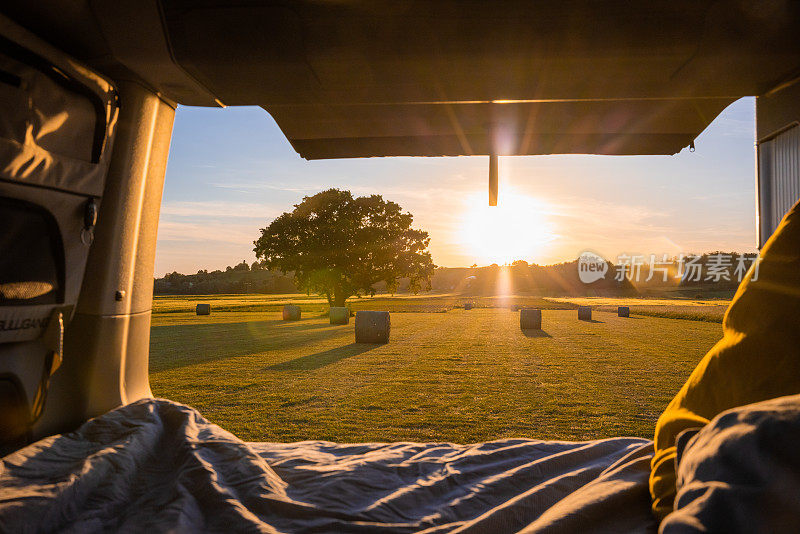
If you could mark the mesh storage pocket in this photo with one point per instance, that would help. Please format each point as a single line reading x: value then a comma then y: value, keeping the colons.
x: 32, y: 262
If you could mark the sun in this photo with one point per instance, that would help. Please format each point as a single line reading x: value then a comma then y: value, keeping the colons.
x: 516, y: 229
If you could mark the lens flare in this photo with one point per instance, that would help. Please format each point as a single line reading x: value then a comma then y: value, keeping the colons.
x: 516, y: 229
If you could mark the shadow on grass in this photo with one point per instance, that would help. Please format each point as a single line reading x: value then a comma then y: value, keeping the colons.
x: 591, y: 321
x: 321, y: 359
x: 173, y: 346
x: 535, y: 333
x: 305, y: 324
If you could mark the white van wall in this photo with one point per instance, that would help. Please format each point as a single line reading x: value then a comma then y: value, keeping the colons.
x: 107, y: 344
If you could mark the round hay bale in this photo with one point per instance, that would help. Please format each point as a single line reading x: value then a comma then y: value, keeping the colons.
x: 203, y: 309
x: 467, y: 305
x: 623, y: 311
x: 339, y: 315
x: 372, y: 326
x: 530, y: 319
x: 584, y: 313
x: 291, y: 312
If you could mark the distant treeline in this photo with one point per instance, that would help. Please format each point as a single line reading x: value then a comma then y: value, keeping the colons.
x: 519, y: 278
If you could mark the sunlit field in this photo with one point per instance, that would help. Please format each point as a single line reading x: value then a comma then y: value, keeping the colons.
x: 317, y: 305
x: 448, y: 374
x: 711, y: 310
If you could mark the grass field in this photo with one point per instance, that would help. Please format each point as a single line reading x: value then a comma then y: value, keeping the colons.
x: 424, y: 303
x: 457, y: 375
x: 711, y: 310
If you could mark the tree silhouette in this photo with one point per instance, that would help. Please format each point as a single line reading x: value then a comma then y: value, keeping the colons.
x: 338, y: 245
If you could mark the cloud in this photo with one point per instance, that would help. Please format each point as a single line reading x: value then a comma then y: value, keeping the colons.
x: 219, y: 209
x: 266, y: 186
x: 217, y: 222
x: 389, y: 193
x: 204, y: 232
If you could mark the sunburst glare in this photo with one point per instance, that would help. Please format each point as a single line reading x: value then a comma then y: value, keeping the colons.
x: 516, y: 229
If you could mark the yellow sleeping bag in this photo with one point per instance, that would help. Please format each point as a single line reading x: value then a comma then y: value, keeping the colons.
x: 757, y: 359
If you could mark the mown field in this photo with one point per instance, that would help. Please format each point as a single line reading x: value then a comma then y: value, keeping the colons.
x: 447, y: 375
x: 711, y: 310
x: 313, y: 304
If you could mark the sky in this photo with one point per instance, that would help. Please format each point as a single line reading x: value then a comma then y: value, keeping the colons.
x: 231, y: 171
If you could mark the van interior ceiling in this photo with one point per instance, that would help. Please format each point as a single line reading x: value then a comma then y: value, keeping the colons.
x: 89, y: 88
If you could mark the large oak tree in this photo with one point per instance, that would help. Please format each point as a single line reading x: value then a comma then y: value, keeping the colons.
x: 338, y: 245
